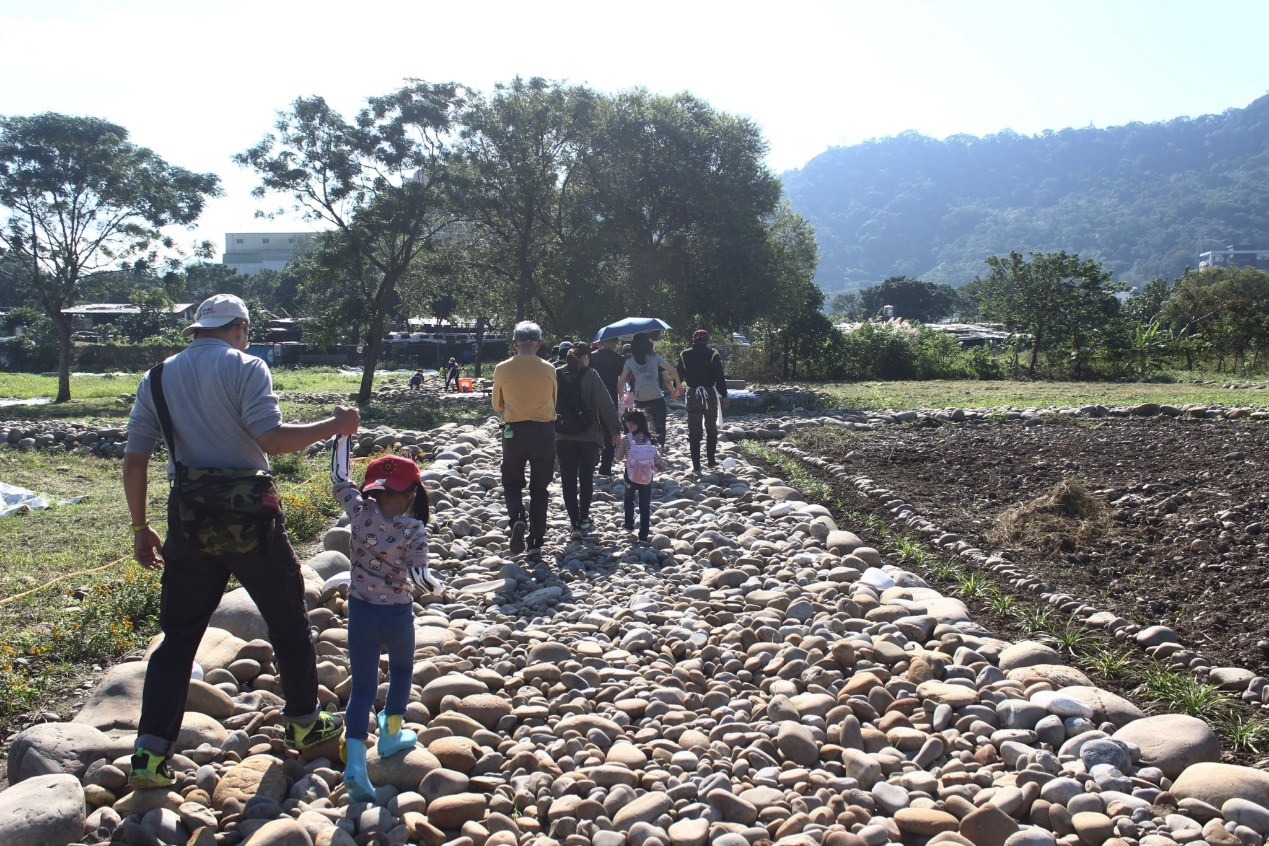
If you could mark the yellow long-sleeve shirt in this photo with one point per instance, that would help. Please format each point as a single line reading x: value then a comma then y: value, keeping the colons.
x: 524, y: 389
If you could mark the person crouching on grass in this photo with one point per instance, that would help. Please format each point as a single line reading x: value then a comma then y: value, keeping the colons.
x: 388, y: 521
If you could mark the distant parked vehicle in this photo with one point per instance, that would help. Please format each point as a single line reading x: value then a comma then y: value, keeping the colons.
x: 739, y: 339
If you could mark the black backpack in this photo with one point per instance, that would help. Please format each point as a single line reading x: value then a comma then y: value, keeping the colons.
x: 571, y: 415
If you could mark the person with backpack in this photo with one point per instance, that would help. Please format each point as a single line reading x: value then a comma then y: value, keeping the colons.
x: 705, y: 384
x: 640, y: 452
x: 451, y: 374
x: 648, y: 373
x: 584, y: 411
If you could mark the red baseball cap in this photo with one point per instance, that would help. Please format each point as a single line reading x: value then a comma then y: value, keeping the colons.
x: 391, y: 473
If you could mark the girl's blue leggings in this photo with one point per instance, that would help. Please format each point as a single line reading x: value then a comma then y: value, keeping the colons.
x: 371, y: 630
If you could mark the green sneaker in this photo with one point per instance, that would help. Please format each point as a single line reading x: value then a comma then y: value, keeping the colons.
x: 150, y: 769
x: 301, y: 737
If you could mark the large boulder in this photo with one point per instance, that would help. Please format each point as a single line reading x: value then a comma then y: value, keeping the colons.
x: 280, y: 832
x: 197, y: 729
x: 455, y: 684
x: 115, y: 703
x: 337, y: 539
x: 404, y: 772
x: 1107, y: 707
x: 842, y: 542
x: 258, y: 775
x: 1028, y: 653
x: 46, y: 810
x: 1216, y: 784
x: 208, y: 699
x: 218, y: 649
x: 238, y: 615
x: 1172, y: 742
x: 314, y: 586
x: 56, y: 748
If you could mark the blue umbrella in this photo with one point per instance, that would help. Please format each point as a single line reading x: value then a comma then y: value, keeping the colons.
x: 630, y: 326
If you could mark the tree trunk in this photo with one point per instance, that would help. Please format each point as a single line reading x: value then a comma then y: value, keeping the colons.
x: 1035, y: 351
x: 375, y: 342
x: 480, y: 345
x: 65, y: 353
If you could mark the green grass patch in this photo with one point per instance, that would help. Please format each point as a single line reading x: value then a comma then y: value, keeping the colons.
x: 1179, y: 692
x: 795, y: 474
x: 1004, y: 394
x: 72, y: 595
x: 825, y: 439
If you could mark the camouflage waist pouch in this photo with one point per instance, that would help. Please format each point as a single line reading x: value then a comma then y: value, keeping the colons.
x: 227, y: 512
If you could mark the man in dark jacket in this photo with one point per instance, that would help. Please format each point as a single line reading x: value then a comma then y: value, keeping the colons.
x: 701, y: 373
x: 608, y: 363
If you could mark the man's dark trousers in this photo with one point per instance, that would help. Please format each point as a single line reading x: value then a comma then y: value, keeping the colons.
x: 577, y: 474
x: 702, y: 416
x: 532, y: 443
x: 193, y: 584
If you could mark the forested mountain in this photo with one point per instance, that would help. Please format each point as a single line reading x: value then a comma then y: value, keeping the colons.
x: 1139, y: 198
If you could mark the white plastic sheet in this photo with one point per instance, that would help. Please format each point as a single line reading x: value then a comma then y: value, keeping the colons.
x: 14, y: 499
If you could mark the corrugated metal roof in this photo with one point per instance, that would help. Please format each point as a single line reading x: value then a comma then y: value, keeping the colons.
x: 117, y: 308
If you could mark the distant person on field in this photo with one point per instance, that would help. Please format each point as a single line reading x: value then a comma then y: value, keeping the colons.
x: 224, y: 414
x: 524, y: 393
x: 701, y: 371
x: 451, y: 374
x: 416, y: 381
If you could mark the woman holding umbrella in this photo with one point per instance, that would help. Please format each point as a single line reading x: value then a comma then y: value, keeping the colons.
x: 648, y: 373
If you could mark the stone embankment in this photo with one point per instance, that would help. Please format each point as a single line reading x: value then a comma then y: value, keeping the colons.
x: 753, y: 675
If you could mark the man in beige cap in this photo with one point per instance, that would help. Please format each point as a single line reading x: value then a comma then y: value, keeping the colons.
x: 223, y: 414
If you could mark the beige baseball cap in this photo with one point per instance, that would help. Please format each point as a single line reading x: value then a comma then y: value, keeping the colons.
x: 216, y: 312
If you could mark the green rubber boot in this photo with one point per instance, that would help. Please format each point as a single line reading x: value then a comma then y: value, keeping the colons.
x: 356, y: 781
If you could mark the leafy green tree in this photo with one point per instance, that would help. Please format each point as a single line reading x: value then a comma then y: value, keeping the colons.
x: 1146, y: 304
x: 1052, y: 296
x: 673, y: 199
x: 912, y: 299
x: 203, y: 279
x: 382, y: 180
x: 82, y: 198
x: 845, y: 305
x: 1227, y: 307
x: 519, y: 149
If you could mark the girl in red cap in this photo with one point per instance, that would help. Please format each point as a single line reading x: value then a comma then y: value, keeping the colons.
x: 388, y: 520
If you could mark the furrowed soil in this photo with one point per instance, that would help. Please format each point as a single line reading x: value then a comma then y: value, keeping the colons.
x: 1172, y: 525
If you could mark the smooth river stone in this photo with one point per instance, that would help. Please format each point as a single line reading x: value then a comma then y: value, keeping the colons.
x: 1107, y: 707
x: 942, y: 693
x: 1216, y: 784
x: 1172, y: 742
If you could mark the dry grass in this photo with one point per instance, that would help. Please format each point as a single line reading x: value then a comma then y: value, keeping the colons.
x: 1059, y: 521
x: 825, y: 440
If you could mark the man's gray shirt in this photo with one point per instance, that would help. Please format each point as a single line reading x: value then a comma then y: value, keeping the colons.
x: 220, y: 399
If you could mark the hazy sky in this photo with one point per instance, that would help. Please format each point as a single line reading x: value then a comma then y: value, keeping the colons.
x: 198, y: 82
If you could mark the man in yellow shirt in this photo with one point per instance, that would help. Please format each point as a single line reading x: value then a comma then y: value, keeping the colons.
x: 524, y: 394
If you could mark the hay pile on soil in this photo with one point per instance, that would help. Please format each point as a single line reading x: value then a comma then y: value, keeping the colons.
x: 1059, y: 521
